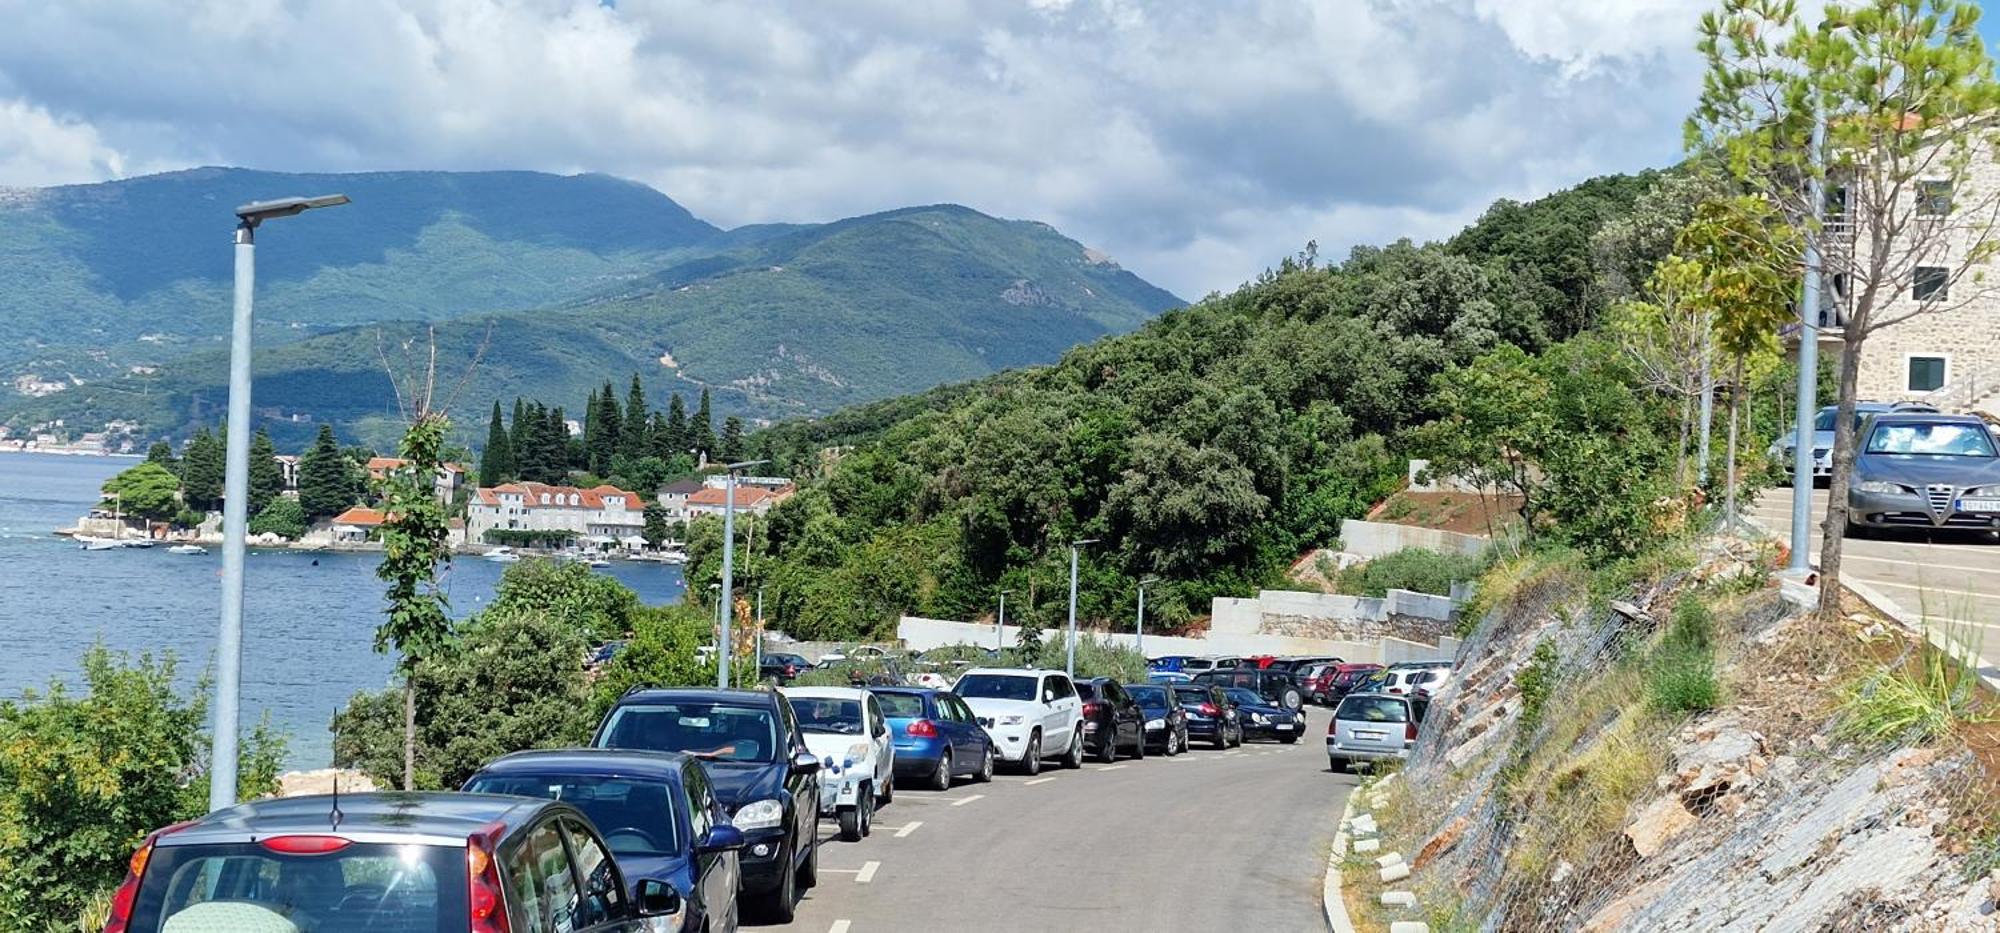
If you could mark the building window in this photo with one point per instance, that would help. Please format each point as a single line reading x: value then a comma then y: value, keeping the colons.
x: 545, y: 501
x: 1926, y: 373
x: 1933, y: 198
x: 1932, y: 284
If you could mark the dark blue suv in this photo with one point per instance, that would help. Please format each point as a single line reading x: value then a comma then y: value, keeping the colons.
x: 760, y: 769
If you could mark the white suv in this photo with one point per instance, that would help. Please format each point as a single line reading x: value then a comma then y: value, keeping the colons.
x: 1028, y: 714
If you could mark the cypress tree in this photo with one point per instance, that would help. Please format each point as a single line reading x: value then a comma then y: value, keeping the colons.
x: 732, y: 439
x: 267, y: 479
x: 326, y: 477
x: 701, y: 433
x: 518, y: 435
x: 556, y: 450
x: 634, y: 437
x: 496, y: 460
x: 675, y: 443
x: 201, y: 471
x: 162, y: 453
x: 601, y: 436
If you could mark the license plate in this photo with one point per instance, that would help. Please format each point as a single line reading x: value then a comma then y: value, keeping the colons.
x: 1371, y: 735
x: 1284, y: 727
x: 1979, y: 505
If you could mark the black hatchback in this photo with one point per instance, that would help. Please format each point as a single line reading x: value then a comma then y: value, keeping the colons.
x: 1111, y: 719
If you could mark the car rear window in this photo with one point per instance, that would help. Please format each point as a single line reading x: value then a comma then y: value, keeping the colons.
x: 1148, y: 696
x: 901, y: 705
x: 361, y: 888
x: 636, y: 817
x: 1372, y: 709
x: 1086, y: 690
x: 827, y: 714
x: 1192, y: 695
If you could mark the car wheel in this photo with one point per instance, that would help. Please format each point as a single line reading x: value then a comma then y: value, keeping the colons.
x: 941, y: 778
x: 1238, y: 742
x: 1221, y: 738
x: 1293, y: 701
x: 867, y: 814
x: 809, y: 872
x: 985, y: 767
x: 1139, y: 745
x: 1291, y: 739
x: 889, y: 789
x: 1335, y: 765
x: 1031, y: 763
x: 1074, y: 758
x: 781, y: 906
x: 1107, y: 748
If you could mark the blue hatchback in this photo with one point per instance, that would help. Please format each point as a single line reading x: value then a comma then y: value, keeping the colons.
x: 936, y: 735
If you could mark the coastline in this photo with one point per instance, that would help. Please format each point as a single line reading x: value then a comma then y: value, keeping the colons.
x: 70, y: 453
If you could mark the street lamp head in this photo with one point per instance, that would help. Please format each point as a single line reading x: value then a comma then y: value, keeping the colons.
x: 1149, y: 581
x: 257, y: 212
x: 733, y: 467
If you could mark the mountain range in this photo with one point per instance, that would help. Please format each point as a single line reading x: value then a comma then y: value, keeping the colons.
x: 544, y: 286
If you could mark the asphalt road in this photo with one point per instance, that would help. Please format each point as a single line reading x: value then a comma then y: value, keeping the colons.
x: 1950, y: 577
x: 1203, y: 841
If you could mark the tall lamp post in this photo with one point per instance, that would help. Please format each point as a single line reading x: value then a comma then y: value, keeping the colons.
x: 236, y: 493
x: 1140, y: 639
x: 1808, y: 405
x: 1000, y: 627
x: 1073, y: 546
x: 729, y: 561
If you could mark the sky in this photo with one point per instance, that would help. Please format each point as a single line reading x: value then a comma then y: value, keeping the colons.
x: 1195, y: 142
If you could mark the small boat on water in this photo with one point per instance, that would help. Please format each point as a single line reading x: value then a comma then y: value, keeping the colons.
x: 598, y: 562
x: 673, y: 556
x: 187, y: 549
x: 86, y: 543
x: 502, y: 555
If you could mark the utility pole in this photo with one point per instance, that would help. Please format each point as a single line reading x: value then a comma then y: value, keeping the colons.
x: 1140, y: 638
x: 1000, y: 627
x: 1073, y: 546
x: 758, y: 649
x: 1808, y: 404
x: 728, y: 564
x: 236, y: 494
x: 1707, y: 420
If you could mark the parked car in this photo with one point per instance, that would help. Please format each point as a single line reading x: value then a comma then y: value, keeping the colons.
x: 1406, y: 677
x: 1313, y: 681
x: 1112, y: 720
x: 1373, y: 727
x: 1926, y: 471
x: 1166, y: 721
x: 1340, y: 679
x: 1169, y: 677
x: 1027, y: 712
x: 655, y: 811
x: 782, y: 667
x: 419, y: 862
x: 760, y: 769
x: 1210, y: 715
x: 937, y: 736
x: 1781, y: 450
x: 1275, y: 687
x: 1261, y: 719
x: 845, y: 728
x: 1168, y: 662
x: 1209, y: 663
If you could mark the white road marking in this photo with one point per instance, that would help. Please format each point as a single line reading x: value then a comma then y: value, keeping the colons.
x: 1033, y: 782
x: 960, y: 803
x: 867, y: 872
x: 1924, y: 564
x: 1945, y: 594
x: 839, y: 926
x: 1105, y: 768
x: 905, y: 831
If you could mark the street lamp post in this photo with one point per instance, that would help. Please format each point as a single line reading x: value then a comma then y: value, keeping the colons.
x: 1073, y: 546
x: 758, y: 647
x: 1140, y: 637
x: 1802, y: 431
x: 235, y: 495
x: 729, y: 561
x: 1000, y: 627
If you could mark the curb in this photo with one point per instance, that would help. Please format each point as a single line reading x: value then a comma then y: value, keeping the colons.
x: 1331, y: 902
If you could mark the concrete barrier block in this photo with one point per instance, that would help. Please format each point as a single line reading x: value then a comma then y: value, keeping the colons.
x: 1396, y: 872
x: 1409, y: 926
x: 1367, y: 845
x: 1384, y: 861
x: 1364, y: 823
x: 1399, y: 899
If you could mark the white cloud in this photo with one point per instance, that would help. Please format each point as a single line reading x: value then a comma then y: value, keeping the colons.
x: 1196, y: 142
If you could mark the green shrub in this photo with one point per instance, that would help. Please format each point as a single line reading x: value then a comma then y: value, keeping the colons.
x: 595, y: 604
x: 1680, y: 673
x: 662, y: 652
x: 84, y: 776
x: 283, y: 517
x: 1916, y: 702
x: 1103, y: 658
x: 1536, y: 681
x: 1417, y: 569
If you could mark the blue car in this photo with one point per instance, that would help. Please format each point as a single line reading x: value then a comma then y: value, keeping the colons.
x: 656, y: 812
x: 937, y: 737
x: 1167, y: 663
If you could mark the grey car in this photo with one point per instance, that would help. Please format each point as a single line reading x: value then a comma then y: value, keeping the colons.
x: 1925, y: 471
x: 1371, y: 727
x: 1781, y: 449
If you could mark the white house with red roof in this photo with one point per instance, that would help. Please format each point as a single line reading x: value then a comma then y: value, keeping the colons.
x: 602, y: 513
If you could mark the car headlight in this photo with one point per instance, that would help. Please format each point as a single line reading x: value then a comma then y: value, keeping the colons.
x: 1156, y: 724
x: 1013, y: 719
x: 759, y: 814
x: 1260, y: 718
x: 858, y: 752
x: 1882, y: 486
x: 1983, y: 492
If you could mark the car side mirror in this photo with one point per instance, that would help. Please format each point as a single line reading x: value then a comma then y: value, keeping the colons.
x: 1048, y: 696
x: 720, y: 838
x: 658, y: 898
x: 805, y: 763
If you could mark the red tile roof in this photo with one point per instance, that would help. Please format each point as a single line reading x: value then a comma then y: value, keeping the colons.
x: 746, y: 496
x: 360, y: 516
x: 531, y: 494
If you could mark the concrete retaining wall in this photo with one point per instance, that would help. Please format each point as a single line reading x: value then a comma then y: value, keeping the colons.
x: 920, y: 634
x: 1374, y: 539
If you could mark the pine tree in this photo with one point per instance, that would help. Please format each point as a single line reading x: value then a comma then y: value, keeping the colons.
x: 162, y: 453
x: 530, y: 422
x: 635, y: 439
x: 496, y: 461
x: 202, y: 472
x: 327, y: 478
x: 267, y: 479
x: 732, y: 439
x: 601, y: 438
x: 701, y: 433
x: 676, y: 441
x: 519, y: 437
x: 556, y: 452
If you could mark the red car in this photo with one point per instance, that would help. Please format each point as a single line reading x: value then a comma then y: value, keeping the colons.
x: 1335, y: 680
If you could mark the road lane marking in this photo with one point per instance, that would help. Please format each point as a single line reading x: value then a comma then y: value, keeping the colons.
x: 1033, y: 782
x: 905, y: 831
x: 1105, y: 768
x: 1943, y: 593
x: 867, y: 872
x: 839, y: 926
x: 960, y: 803
x: 1927, y: 565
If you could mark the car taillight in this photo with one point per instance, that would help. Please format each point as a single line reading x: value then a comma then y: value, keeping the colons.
x: 1333, y: 725
x: 921, y: 729
x: 1208, y: 709
x: 128, y: 890
x: 1092, y: 708
x: 305, y: 845
x: 1410, y: 731
x: 482, y: 877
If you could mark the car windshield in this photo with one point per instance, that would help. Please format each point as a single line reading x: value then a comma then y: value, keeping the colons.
x: 1933, y: 439
x: 1194, y: 695
x: 1148, y: 696
x: 901, y: 705
x: 1349, y: 677
x: 1086, y: 690
x: 995, y: 687
x: 1241, y: 695
x: 706, y: 730
x: 635, y: 816
x: 1372, y: 709
x: 828, y: 714
x: 359, y: 888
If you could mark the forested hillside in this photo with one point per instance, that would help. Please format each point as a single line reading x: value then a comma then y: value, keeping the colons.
x: 1209, y: 448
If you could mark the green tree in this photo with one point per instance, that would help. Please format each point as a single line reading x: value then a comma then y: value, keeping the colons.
x: 597, y: 605
x: 148, y: 491
x: 517, y: 435
x: 496, y: 459
x: 676, y: 441
x: 267, y: 478
x: 1905, y: 90
x: 282, y: 517
x: 732, y: 439
x: 635, y: 439
x: 414, y: 546
x: 656, y: 530
x: 162, y: 453
x: 662, y: 652
x: 601, y: 435
x: 84, y: 776
x: 328, y: 480
x: 202, y: 471
x: 701, y: 429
